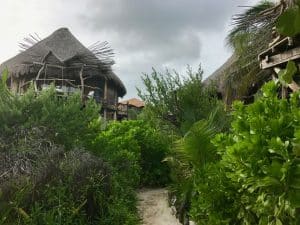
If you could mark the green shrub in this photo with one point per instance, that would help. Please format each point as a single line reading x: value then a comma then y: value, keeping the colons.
x: 45, y: 180
x: 176, y: 101
x: 136, y: 150
x: 256, y: 179
x: 50, y: 186
x: 66, y: 123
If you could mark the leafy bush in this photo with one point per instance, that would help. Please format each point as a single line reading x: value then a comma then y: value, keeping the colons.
x: 66, y: 123
x: 178, y: 101
x: 191, y: 157
x: 256, y: 173
x: 43, y: 178
x: 135, y: 150
x: 43, y: 184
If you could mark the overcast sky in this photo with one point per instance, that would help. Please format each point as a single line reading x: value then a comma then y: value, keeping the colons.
x: 143, y: 33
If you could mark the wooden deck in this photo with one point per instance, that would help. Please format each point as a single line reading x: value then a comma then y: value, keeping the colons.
x: 279, y: 54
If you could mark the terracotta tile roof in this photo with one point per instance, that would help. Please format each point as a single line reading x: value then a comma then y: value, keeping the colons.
x: 133, y: 102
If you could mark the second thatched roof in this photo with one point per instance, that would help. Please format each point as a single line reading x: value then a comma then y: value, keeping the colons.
x: 218, y: 77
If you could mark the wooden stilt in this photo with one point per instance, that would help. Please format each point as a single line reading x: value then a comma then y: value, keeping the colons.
x: 38, y: 77
x: 105, y: 100
x: 82, y: 84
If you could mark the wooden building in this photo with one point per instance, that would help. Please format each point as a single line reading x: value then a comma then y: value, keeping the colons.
x: 128, y: 109
x: 62, y: 60
x: 279, y: 54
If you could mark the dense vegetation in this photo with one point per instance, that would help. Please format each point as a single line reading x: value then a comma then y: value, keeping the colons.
x: 251, y: 167
x: 178, y: 101
x: 244, y: 173
x: 60, y: 164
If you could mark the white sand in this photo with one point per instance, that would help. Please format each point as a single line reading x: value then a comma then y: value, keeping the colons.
x: 154, y: 208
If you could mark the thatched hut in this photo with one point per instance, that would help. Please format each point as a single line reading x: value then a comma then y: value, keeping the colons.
x: 60, y: 59
x: 238, y: 83
x: 219, y: 75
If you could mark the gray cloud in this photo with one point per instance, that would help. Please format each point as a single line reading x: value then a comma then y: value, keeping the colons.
x: 157, y: 33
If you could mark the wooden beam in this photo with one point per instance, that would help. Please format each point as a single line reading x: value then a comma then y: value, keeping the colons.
x: 82, y: 84
x: 58, y: 79
x: 90, y: 87
x: 41, y: 70
x: 38, y: 76
x: 105, y: 90
x: 275, y: 60
x: 64, y: 67
x: 294, y: 86
x: 105, y: 100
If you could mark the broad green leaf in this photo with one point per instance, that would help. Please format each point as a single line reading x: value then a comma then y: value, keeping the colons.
x: 278, y: 221
x: 286, y: 75
x: 295, y: 176
x: 294, y: 197
x: 296, y: 149
x: 288, y: 23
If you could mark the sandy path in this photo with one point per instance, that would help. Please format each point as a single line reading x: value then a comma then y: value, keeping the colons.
x: 154, y: 208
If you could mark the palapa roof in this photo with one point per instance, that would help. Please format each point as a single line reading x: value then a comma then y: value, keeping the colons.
x: 133, y: 102
x: 232, y: 91
x: 68, y: 50
x: 218, y: 77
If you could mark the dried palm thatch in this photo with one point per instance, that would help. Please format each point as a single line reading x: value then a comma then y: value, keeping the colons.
x: 240, y: 77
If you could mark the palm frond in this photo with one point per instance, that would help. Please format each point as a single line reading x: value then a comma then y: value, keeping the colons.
x: 252, y: 21
x: 29, y: 41
x: 251, y: 34
x: 195, y: 148
x: 103, y: 52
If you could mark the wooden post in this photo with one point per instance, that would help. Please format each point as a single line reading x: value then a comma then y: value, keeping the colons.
x: 116, y: 104
x: 284, y: 92
x: 105, y: 100
x: 127, y: 106
x: 14, y: 84
x: 82, y: 83
x: 43, y: 63
x: 11, y: 82
x: 115, y: 115
x: 38, y: 77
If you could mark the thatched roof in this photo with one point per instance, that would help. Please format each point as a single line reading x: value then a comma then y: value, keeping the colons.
x: 67, y: 50
x: 133, y: 102
x: 218, y: 77
x: 234, y: 83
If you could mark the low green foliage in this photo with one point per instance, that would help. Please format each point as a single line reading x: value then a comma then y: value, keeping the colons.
x: 136, y: 150
x: 286, y: 75
x: 253, y: 176
x: 45, y: 180
x: 64, y: 120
